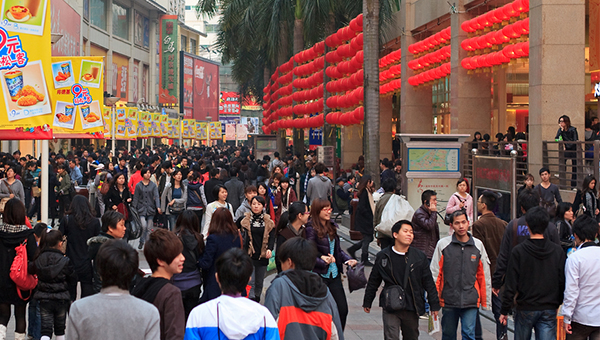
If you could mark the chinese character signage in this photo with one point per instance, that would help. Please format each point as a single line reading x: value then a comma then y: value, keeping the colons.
x: 229, y: 103
x: 25, y: 70
x: 169, y: 49
x: 206, y: 90
x: 78, y: 97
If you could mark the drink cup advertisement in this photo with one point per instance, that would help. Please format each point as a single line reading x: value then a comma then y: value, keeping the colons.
x: 144, y: 124
x: 78, y: 110
x: 155, y: 125
x: 188, y: 128
x: 176, y: 128
x: 91, y: 73
x: 202, y: 131
x: 25, y: 70
x: 216, y: 130
x: 120, y: 130
x: 121, y: 114
x: 131, y: 123
x: 107, y: 122
x: 25, y: 16
x: 164, y: 126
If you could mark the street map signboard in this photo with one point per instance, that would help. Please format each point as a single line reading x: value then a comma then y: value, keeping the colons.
x: 434, y: 159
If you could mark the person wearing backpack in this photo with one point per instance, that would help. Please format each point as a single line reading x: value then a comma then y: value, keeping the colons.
x: 13, y: 234
x: 57, y: 285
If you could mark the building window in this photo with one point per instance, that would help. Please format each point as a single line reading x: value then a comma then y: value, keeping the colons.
x: 441, y: 106
x: 193, y: 46
x: 212, y: 28
x: 184, y: 43
x: 120, y: 21
x: 98, y: 13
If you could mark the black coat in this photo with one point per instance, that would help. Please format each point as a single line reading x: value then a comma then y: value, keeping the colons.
x: 9, y: 239
x: 216, y: 245
x: 57, y: 279
x: 363, y: 220
x: 322, y: 244
x: 419, y: 280
x: 94, y: 245
x: 113, y: 197
x: 77, y: 248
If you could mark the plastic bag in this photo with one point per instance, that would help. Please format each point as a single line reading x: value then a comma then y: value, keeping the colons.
x: 356, y: 277
x: 396, y: 209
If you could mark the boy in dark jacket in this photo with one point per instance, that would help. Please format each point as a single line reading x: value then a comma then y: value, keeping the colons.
x: 163, y: 251
x: 298, y: 299
x: 401, y: 264
x: 536, y: 277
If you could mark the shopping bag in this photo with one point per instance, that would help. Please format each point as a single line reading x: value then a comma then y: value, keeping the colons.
x: 396, y: 209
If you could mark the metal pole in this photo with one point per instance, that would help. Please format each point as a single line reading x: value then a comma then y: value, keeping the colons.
x: 45, y: 168
x: 513, y: 184
x: 113, y: 129
x: 474, y: 182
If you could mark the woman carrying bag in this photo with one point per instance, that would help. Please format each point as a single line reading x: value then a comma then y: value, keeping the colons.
x: 174, y: 198
x: 118, y: 197
x: 363, y: 220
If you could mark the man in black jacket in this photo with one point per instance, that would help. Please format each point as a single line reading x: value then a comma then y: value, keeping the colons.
x: 536, y: 278
x: 401, y: 264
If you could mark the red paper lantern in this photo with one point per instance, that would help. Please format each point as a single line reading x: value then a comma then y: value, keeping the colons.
x: 517, y: 5
x: 509, y: 52
x: 466, y: 26
x: 509, y: 11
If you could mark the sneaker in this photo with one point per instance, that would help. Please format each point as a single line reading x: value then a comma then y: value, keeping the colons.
x: 140, y: 246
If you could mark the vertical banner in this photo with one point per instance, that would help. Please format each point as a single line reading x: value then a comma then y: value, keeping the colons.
x: 106, y: 115
x: 155, y: 125
x: 170, y: 127
x: 188, y: 128
x: 241, y: 131
x: 131, y: 123
x: 206, y: 90
x: 229, y: 131
x: 144, y: 126
x: 25, y: 70
x: 201, y: 133
x: 164, y: 126
x: 169, y: 47
x: 176, y: 128
x: 121, y: 74
x: 79, y: 95
x: 215, y: 130
x: 187, y: 85
x: 121, y: 114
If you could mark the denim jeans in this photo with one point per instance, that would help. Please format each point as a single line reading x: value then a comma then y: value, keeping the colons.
x: 34, y: 324
x: 543, y: 321
x: 172, y: 220
x: 54, y: 315
x: 147, y: 223
x: 450, y: 317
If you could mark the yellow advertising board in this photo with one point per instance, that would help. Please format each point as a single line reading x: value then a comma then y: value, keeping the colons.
x: 25, y: 70
x: 188, y: 128
x: 176, y: 128
x: 131, y: 123
x: 170, y: 124
x: 78, y: 94
x: 155, y: 125
x: 215, y: 129
x: 144, y: 126
x: 201, y: 132
x: 106, y: 110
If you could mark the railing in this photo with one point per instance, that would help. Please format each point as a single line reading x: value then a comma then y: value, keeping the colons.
x: 497, y: 149
x: 573, y: 164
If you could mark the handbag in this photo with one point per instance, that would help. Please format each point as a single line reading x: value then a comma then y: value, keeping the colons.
x: 123, y: 210
x: 134, y: 225
x: 36, y: 192
x: 356, y: 277
x: 394, y: 296
x: 5, y: 199
x: 18, y: 271
x: 447, y: 217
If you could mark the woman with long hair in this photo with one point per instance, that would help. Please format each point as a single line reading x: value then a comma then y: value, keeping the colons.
x: 223, y: 235
x: 189, y: 280
x: 589, y: 197
x: 284, y: 198
x: 564, y: 225
x: 263, y: 191
x: 13, y: 233
x: 196, y: 199
x: 291, y: 224
x: 363, y: 220
x: 174, y: 197
x: 118, y: 197
x: 219, y: 191
x: 568, y: 133
x: 322, y: 230
x: 147, y: 203
x: 79, y: 226
x: 258, y: 230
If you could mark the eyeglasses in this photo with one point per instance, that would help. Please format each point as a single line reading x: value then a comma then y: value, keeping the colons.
x: 327, y: 209
x: 307, y: 213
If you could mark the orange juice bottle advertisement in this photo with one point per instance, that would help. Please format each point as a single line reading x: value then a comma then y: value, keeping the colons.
x: 131, y: 123
x: 25, y: 102
x: 78, y: 97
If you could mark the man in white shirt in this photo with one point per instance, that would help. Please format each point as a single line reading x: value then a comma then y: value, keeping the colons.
x: 581, y: 305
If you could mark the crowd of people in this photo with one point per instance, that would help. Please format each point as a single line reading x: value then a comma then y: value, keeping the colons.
x: 212, y: 220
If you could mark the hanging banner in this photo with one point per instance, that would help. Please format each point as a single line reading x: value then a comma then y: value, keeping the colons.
x: 229, y: 132
x: 215, y: 130
x: 188, y: 128
x: 144, y: 126
x: 26, y: 107
x: 252, y: 123
x: 170, y: 125
x: 78, y: 93
x: 201, y: 131
x: 229, y: 103
x: 206, y: 90
x: 241, y: 131
x: 155, y: 125
x: 164, y: 126
x: 176, y: 129
x: 169, y: 48
x: 187, y: 85
x: 107, y: 122
x: 131, y: 123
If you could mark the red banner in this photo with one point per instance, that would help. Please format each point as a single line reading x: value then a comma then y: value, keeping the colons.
x: 229, y: 103
x: 187, y: 90
x: 206, y: 90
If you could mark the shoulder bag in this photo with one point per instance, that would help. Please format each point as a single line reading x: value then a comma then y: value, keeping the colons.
x: 447, y: 216
x: 394, y: 296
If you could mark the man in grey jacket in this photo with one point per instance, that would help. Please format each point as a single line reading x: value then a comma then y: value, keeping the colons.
x: 113, y: 313
x: 235, y: 189
x: 318, y: 186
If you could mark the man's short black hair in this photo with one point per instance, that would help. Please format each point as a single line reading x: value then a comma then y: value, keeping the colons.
x: 426, y: 195
x: 319, y: 168
x: 537, y: 219
x: 389, y: 185
x: 213, y: 172
x: 233, y: 172
x: 585, y: 227
x: 166, y: 165
x: 544, y: 169
x: 117, y: 263
x: 489, y: 199
x: 276, y: 154
x: 302, y: 252
x: 110, y: 219
x: 234, y: 268
x: 529, y: 199
x: 458, y: 213
x: 398, y: 225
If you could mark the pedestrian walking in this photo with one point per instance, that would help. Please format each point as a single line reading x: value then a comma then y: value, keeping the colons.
x: 426, y: 229
x: 221, y: 193
x: 11, y: 187
x: 264, y: 191
x: 568, y: 133
x: 564, y: 226
x: 291, y: 224
x: 461, y: 200
x: 284, y: 197
x: 113, y: 227
x: 249, y: 192
x: 235, y: 189
x: 548, y: 193
x: 319, y: 187
x: 196, y: 196
x: 118, y: 196
x: 147, y: 203
x: 406, y: 269
x: 174, y: 198
x: 363, y: 220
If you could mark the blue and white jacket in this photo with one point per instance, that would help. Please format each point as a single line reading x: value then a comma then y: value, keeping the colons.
x: 231, y: 318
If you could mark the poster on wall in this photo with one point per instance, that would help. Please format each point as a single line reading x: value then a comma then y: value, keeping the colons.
x: 169, y: 47
x: 229, y: 103
x: 206, y: 90
x: 241, y: 131
x: 25, y: 70
x: 65, y: 21
x: 229, y: 131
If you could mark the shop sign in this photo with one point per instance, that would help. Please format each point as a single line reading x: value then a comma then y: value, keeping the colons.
x: 229, y: 103
x: 169, y: 49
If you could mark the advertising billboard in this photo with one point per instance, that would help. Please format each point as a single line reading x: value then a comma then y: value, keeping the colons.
x: 206, y: 90
x: 187, y: 85
x: 169, y: 47
x: 229, y: 103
